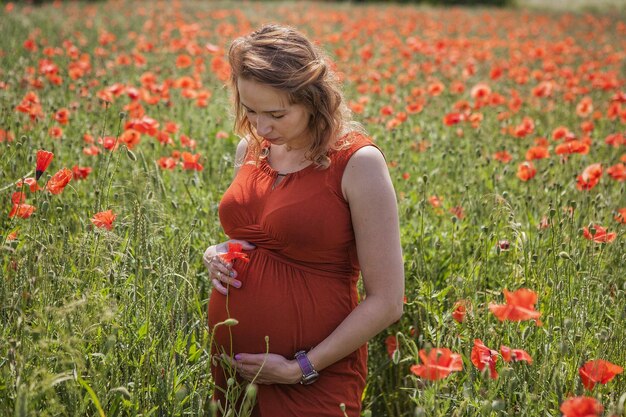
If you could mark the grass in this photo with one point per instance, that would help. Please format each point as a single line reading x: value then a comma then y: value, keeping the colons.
x: 99, y: 322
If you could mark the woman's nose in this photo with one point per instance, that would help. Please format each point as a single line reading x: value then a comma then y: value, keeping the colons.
x: 263, y: 125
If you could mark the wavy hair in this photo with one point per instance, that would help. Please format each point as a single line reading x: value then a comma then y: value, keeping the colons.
x: 283, y: 58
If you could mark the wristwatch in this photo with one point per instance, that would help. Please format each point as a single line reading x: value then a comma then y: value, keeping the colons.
x: 309, y: 374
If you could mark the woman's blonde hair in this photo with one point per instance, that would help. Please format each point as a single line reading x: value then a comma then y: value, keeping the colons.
x: 283, y: 58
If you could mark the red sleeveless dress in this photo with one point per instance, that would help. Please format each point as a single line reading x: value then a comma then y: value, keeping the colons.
x: 299, y: 283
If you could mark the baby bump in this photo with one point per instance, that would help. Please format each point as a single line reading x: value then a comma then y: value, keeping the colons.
x: 294, y: 308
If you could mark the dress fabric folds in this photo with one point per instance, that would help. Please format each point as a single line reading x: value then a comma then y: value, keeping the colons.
x: 299, y: 284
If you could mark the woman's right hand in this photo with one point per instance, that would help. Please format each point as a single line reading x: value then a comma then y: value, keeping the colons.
x: 221, y: 272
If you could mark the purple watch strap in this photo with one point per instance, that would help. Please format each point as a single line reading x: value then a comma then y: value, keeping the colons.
x: 305, y: 363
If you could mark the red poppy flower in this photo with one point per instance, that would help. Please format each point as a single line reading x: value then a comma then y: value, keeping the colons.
x: 617, y: 172
x: 104, y: 219
x: 92, y: 150
x: 55, y: 132
x: 537, y: 152
x: 57, y: 183
x: 615, y: 140
x: 459, y: 310
x: 18, y: 197
x: 80, y: 173
x: 514, y: 355
x: 30, y: 182
x: 525, y: 128
x: 62, y: 116
x: 391, y: 342
x: 458, y: 212
x: 43, y: 160
x: 191, y: 161
x: 234, y: 252
x: 562, y: 132
x: 23, y: 211
x: 590, y: 177
x: 574, y: 146
x: 435, y: 201
x: 167, y: 162
x: 12, y: 236
x: 482, y: 356
x: 526, y: 171
x: 520, y: 306
x: 6, y: 135
x: 600, y: 235
x: 502, y: 156
x: 598, y: 371
x: 584, y: 107
x: 437, y: 364
x: 581, y: 407
x: 453, y: 118
x: 130, y: 138
x: 620, y: 217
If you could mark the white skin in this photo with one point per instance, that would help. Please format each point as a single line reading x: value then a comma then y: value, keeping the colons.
x: 368, y: 189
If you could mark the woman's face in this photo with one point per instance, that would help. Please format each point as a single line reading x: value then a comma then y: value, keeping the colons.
x: 270, y: 113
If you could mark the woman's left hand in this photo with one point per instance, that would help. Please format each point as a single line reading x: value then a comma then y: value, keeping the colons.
x: 265, y: 368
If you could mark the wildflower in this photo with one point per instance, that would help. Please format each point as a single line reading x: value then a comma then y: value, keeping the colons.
x: 482, y: 356
x: 391, y: 342
x: 43, y: 160
x: 104, y: 219
x: 435, y: 201
x: 526, y: 171
x: 590, y: 177
x: 62, y: 116
x: 167, y: 163
x: 574, y: 146
x: 525, y: 128
x: 515, y: 355
x: 80, y: 173
x: 502, y: 156
x: 453, y: 118
x: 6, y: 135
x: 457, y: 212
x: 581, y: 407
x: 584, y: 107
x: 92, y: 150
x: 598, y: 371
x: 234, y: 252
x: 191, y: 161
x: 520, y: 306
x: 437, y: 364
x: 31, y: 182
x: 57, y: 183
x: 23, y: 211
x: 459, y: 310
x: 130, y: 138
x: 504, y: 245
x: 12, y: 236
x: 620, y: 217
x: 55, y: 132
x: 617, y: 172
x: 537, y: 152
x: 599, y: 235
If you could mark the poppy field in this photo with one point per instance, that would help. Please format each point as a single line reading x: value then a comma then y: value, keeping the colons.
x: 505, y: 135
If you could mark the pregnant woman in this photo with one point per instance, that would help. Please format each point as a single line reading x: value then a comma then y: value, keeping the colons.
x: 313, y: 208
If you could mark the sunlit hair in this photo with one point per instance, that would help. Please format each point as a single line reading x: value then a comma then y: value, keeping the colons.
x: 283, y: 58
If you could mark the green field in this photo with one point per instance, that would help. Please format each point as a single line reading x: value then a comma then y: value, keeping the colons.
x: 505, y: 135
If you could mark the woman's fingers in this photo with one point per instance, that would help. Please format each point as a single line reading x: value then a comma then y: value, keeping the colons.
x: 222, y: 273
x: 244, y: 244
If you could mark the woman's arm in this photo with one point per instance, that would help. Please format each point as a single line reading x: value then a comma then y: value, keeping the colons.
x: 368, y: 189
x: 222, y: 273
